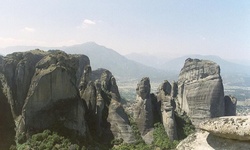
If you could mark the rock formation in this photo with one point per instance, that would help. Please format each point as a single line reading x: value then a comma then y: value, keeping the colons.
x: 115, y: 117
x: 54, y: 90
x: 233, y: 127
x: 105, y: 111
x: 202, y: 140
x: 230, y: 105
x: 167, y: 111
x: 143, y: 110
x: 47, y: 104
x: 19, y: 69
x: 226, y: 133
x: 200, y: 90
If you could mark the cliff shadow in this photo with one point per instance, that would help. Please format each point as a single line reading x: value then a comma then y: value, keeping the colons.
x: 7, y: 125
x: 218, y: 143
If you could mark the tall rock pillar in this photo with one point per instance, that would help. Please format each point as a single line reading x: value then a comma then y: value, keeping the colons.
x: 200, y: 90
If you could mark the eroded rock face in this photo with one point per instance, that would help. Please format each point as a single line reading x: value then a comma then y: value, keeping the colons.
x: 109, y: 120
x: 19, y: 69
x: 167, y: 110
x: 200, y: 90
x: 53, y: 90
x: 233, y: 127
x: 53, y: 99
x: 143, y: 110
x: 119, y: 123
x: 116, y: 116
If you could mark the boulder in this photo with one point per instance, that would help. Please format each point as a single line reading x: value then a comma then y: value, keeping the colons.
x: 200, y: 90
x: 202, y: 140
x: 233, y: 127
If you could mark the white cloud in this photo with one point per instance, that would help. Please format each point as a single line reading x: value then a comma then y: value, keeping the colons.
x: 28, y: 29
x: 88, y: 22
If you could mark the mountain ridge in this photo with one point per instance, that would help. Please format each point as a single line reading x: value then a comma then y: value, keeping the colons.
x: 125, y: 67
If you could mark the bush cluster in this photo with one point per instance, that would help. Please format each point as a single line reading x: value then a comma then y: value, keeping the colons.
x: 47, y: 140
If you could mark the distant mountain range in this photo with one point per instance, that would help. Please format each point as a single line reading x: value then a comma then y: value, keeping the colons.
x: 135, y: 66
x: 232, y: 73
x: 102, y: 57
x: 120, y: 66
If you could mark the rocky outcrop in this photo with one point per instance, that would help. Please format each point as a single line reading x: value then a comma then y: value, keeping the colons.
x: 200, y: 90
x: 167, y: 110
x: 54, y: 90
x: 105, y: 115
x: 233, y: 127
x: 202, y: 140
x: 226, y: 133
x: 143, y: 110
x: 230, y: 105
x: 112, y: 121
x: 19, y: 69
x: 47, y: 104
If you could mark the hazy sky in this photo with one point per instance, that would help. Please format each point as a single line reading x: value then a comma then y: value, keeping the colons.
x: 163, y: 27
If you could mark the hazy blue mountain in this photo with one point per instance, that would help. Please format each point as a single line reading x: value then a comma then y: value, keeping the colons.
x: 146, y: 59
x: 226, y: 66
x: 102, y: 57
x: 131, y: 67
x: 232, y: 73
x: 120, y: 66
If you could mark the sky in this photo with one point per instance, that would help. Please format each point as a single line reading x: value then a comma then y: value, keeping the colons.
x: 167, y: 28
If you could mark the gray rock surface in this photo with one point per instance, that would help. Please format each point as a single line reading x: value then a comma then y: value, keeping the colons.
x: 143, y: 110
x: 200, y: 90
x: 105, y: 115
x: 230, y: 105
x: 167, y: 110
x: 19, y: 69
x: 116, y: 116
x: 59, y: 91
x: 202, y: 140
x: 47, y: 104
x: 233, y: 127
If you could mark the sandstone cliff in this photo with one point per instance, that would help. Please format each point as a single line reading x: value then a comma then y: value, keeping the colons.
x: 54, y: 90
x: 200, y: 90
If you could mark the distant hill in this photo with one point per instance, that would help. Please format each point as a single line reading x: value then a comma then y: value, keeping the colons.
x: 232, y: 73
x: 146, y: 59
x: 102, y: 57
x: 135, y: 66
x: 120, y: 66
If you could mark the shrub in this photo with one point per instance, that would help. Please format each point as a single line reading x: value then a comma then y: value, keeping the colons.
x: 161, y: 139
x: 47, y: 140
